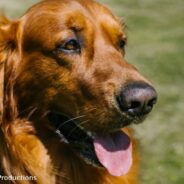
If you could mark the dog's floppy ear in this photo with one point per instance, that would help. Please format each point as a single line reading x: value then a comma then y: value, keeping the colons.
x: 9, y: 54
x: 8, y: 36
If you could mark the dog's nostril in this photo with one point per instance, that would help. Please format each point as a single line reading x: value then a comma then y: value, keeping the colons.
x: 135, y: 104
x: 137, y: 99
x: 133, y: 108
x: 148, y: 107
x: 152, y: 102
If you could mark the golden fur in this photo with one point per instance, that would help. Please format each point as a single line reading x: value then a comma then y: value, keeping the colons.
x: 29, y: 78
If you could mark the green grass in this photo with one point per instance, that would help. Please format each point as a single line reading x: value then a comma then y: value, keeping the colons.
x: 156, y: 47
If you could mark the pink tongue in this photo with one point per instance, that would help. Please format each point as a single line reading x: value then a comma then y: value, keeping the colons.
x: 114, y: 152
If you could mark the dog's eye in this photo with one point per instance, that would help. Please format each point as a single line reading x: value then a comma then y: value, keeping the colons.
x: 70, y: 46
x: 122, y: 44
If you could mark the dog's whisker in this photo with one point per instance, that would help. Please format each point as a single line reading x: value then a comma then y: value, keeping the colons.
x: 78, y: 125
x: 27, y: 109
x: 72, y: 119
x: 45, y: 114
x: 87, y: 110
x: 32, y: 112
x: 82, y: 123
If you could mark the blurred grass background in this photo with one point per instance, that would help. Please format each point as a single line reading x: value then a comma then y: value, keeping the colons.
x: 156, y: 48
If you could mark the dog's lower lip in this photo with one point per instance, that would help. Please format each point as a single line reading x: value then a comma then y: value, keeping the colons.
x: 79, y: 139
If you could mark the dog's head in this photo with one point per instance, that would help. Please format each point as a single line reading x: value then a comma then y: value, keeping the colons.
x: 71, y: 64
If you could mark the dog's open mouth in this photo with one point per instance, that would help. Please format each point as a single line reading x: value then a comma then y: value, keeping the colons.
x: 113, y: 151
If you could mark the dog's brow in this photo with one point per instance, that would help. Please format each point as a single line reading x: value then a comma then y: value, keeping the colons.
x: 76, y: 20
x: 113, y: 29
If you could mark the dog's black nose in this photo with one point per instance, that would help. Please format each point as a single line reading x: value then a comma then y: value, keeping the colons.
x: 137, y: 99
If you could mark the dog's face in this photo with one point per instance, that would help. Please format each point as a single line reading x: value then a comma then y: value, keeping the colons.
x: 72, y: 65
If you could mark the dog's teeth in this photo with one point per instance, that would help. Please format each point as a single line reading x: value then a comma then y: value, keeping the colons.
x: 90, y: 134
x: 82, y: 128
x: 62, y: 138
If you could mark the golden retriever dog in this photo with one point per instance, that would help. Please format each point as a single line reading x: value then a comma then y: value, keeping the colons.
x: 67, y: 97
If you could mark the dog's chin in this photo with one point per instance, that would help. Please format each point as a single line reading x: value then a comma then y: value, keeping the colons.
x: 97, y: 150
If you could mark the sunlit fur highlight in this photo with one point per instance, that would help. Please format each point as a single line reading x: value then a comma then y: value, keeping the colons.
x: 26, y: 146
